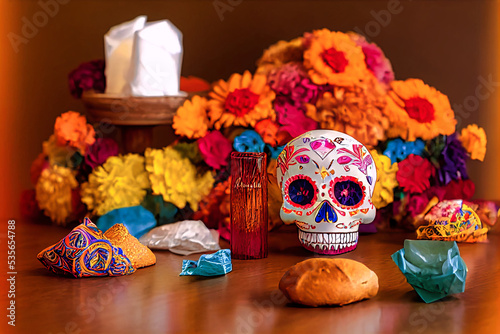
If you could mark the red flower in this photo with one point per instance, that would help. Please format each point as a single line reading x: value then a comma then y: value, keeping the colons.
x: 335, y: 59
x: 420, y: 109
x: 414, y: 174
x: 241, y: 101
x: 79, y: 209
x: 37, y: 167
x: 459, y: 189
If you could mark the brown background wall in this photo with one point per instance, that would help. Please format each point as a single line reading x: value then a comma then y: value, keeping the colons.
x: 448, y: 44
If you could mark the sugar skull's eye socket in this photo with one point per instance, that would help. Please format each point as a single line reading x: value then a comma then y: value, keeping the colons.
x: 348, y: 192
x: 303, y: 159
x: 301, y: 192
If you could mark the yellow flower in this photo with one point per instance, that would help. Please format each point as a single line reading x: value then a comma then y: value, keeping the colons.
x: 357, y: 111
x: 191, y: 119
x: 334, y: 58
x: 473, y: 138
x: 120, y: 182
x: 72, y: 129
x: 417, y: 110
x: 279, y: 54
x: 58, y: 155
x: 241, y: 101
x: 175, y: 178
x: 383, y: 193
x: 54, y: 191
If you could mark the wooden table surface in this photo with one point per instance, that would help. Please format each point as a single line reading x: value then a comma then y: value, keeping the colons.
x: 247, y: 300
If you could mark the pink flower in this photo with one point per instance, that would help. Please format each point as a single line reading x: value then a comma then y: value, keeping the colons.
x: 417, y: 204
x: 292, y: 81
x: 100, y: 151
x: 215, y: 149
x: 375, y: 59
x: 305, y: 92
x: 284, y: 79
x: 292, y: 118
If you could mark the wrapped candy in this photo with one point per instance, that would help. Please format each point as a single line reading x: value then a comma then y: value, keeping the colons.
x: 433, y: 268
x: 184, y: 238
x: 452, y: 220
x: 216, y: 264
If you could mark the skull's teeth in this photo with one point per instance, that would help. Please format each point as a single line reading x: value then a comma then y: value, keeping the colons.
x: 328, y: 241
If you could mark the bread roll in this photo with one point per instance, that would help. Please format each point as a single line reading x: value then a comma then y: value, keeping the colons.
x: 140, y: 255
x: 316, y: 282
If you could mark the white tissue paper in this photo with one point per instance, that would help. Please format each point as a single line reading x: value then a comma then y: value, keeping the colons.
x: 184, y: 238
x: 144, y: 59
x: 156, y: 60
x: 118, y: 46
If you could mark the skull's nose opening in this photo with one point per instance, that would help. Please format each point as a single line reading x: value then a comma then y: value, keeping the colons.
x: 326, y: 213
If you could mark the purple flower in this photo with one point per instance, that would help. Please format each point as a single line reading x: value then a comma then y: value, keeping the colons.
x: 87, y: 76
x: 292, y: 118
x: 375, y: 59
x: 453, y: 162
x: 100, y: 151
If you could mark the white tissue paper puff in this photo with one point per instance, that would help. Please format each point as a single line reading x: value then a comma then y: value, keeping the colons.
x: 155, y: 68
x: 184, y: 238
x: 118, y: 46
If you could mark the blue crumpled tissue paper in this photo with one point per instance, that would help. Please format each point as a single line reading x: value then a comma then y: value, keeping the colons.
x: 216, y: 264
x: 433, y: 268
x: 136, y: 219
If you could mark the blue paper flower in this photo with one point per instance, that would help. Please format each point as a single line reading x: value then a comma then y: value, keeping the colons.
x: 249, y: 141
x: 136, y: 219
x: 274, y: 152
x: 397, y: 149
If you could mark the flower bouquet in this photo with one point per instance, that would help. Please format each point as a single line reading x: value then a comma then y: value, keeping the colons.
x: 322, y: 80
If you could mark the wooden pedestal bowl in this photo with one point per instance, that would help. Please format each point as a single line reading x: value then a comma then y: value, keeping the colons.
x: 135, y: 116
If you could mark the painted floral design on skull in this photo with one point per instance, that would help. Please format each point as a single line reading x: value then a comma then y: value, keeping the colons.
x: 327, y: 180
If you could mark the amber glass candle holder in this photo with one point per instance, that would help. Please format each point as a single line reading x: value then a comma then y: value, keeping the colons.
x: 248, y: 205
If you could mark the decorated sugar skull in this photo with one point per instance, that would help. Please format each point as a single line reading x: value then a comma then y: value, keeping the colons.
x: 327, y: 180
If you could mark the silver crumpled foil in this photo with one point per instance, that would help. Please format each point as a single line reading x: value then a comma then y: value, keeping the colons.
x: 183, y: 238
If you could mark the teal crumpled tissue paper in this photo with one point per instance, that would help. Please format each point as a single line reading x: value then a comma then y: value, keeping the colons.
x: 433, y: 268
x: 136, y: 219
x: 216, y: 264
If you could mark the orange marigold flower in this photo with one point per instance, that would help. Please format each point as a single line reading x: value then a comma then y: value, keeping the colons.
x: 334, y: 58
x: 268, y: 130
x: 241, y: 101
x: 191, y: 119
x: 279, y: 54
x: 473, y: 138
x: 417, y: 110
x: 357, y: 111
x: 72, y: 129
